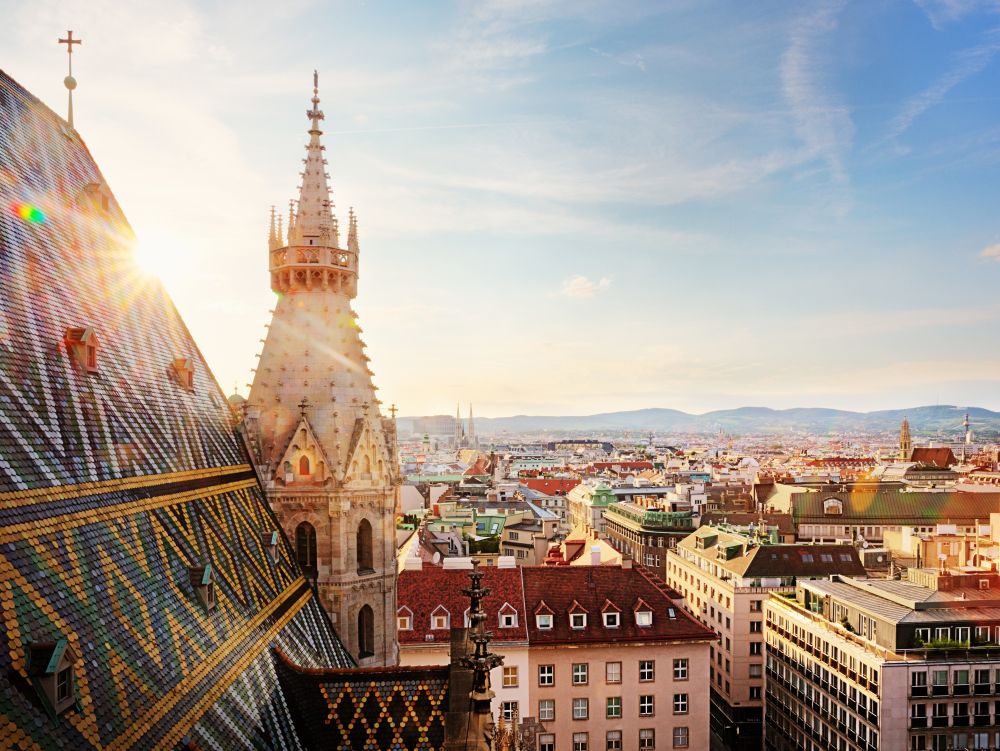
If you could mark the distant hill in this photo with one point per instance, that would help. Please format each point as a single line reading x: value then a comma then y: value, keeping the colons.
x: 943, y: 420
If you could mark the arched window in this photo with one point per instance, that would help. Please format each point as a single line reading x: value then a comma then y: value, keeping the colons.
x: 366, y: 632
x: 304, y: 465
x: 305, y: 547
x: 365, y: 562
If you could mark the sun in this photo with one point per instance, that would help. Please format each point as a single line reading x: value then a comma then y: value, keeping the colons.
x: 160, y: 257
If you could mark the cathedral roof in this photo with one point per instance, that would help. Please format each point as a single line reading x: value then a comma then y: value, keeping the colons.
x: 132, y: 529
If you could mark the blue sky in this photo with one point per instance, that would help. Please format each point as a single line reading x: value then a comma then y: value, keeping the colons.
x: 573, y: 206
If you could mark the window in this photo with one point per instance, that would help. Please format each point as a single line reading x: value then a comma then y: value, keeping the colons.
x: 646, y: 670
x: 508, y: 617
x: 756, y: 648
x: 646, y: 704
x: 364, y: 550
x: 580, y: 742
x: 404, y: 619
x: 756, y: 627
x: 543, y: 621
x: 614, y: 740
x: 581, y: 708
x: 613, y: 672
x: 366, y: 632
x: 304, y: 465
x: 546, y: 709
x: 509, y: 710
x: 680, y: 703
x: 681, y: 669
x: 64, y: 684
x: 510, y: 676
x: 756, y: 670
x: 440, y: 618
x: 305, y: 548
x: 614, y: 707
x: 546, y: 675
x: 578, y: 620
x: 580, y: 670
x: 611, y: 620
x: 546, y: 742
x: 680, y: 737
x: 643, y: 618
x: 647, y: 738
x: 755, y: 692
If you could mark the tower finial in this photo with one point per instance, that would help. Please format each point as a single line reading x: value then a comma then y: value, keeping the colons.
x: 69, y: 81
x: 352, y: 230
x: 272, y: 238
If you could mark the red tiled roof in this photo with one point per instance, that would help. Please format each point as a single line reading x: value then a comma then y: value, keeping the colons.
x: 939, y: 457
x: 599, y: 466
x: 552, y: 485
x: 591, y: 586
x: 425, y: 590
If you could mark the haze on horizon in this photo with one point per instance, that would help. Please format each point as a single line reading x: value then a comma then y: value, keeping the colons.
x: 572, y: 207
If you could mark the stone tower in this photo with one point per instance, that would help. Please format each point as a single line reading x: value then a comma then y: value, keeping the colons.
x: 325, y: 454
x: 905, y: 442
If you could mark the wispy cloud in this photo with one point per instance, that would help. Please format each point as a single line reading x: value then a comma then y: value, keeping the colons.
x: 581, y: 286
x: 967, y: 63
x: 942, y: 12
x: 633, y: 59
x: 991, y: 252
x: 824, y: 125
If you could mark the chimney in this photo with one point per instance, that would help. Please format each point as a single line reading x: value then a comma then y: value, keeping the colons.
x: 626, y: 563
x: 595, y: 555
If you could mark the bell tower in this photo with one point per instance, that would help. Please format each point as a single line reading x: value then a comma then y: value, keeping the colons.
x: 326, y: 455
x: 905, y: 442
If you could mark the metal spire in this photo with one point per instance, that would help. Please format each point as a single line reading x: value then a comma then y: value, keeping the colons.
x: 69, y: 81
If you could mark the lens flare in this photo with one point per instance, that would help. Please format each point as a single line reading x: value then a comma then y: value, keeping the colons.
x: 29, y: 213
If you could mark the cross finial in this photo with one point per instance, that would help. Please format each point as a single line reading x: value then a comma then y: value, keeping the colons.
x: 393, y: 410
x: 302, y: 406
x: 69, y: 81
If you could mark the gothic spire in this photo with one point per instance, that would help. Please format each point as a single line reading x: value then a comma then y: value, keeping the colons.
x: 313, y: 222
x: 352, y: 231
x: 272, y: 238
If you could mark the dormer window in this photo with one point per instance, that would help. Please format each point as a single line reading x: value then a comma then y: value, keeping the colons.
x: 612, y: 619
x: 182, y: 369
x: 833, y: 506
x: 643, y: 614
x: 270, y: 540
x: 508, y: 616
x: 51, y: 667
x: 544, y: 621
x: 203, y: 581
x: 95, y: 196
x: 440, y: 618
x: 578, y: 620
x: 81, y: 344
x: 404, y: 619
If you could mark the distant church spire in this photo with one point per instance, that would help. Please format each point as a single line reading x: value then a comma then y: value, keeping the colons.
x: 473, y: 443
x: 905, y: 442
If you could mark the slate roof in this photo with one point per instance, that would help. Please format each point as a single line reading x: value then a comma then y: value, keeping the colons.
x: 116, y: 484
x: 425, y: 590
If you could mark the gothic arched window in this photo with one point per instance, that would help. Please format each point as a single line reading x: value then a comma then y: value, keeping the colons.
x: 365, y: 559
x: 304, y: 465
x: 305, y: 547
x: 366, y: 632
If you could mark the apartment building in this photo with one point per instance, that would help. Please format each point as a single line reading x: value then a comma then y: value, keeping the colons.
x: 646, y: 532
x: 596, y: 658
x: 725, y: 577
x: 885, y: 665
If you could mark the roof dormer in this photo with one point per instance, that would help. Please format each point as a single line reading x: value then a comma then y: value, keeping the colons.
x: 81, y: 345
x: 182, y: 371
x: 404, y: 618
x: 51, y: 666
x: 270, y: 540
x: 833, y: 507
x: 203, y: 581
x: 440, y: 618
x: 611, y: 614
x: 643, y: 614
x: 507, y: 617
x: 577, y: 616
x: 543, y: 616
x: 96, y: 197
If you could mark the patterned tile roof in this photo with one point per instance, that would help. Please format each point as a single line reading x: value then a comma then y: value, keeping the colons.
x: 116, y: 480
x: 424, y: 591
x: 402, y: 709
x: 894, y: 506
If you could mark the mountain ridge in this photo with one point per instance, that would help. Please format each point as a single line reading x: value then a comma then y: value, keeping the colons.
x: 942, y: 419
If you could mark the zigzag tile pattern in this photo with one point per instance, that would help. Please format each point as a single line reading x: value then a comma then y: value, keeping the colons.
x: 113, y: 483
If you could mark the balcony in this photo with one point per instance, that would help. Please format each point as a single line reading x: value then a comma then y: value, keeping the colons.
x: 918, y: 690
x: 981, y: 720
x: 983, y: 688
x: 961, y: 689
x: 939, y: 690
x: 939, y: 721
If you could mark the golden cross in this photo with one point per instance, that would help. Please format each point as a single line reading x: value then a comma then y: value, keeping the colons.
x: 393, y: 410
x: 69, y: 81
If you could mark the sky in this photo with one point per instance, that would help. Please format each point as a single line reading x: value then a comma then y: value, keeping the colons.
x: 569, y: 207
